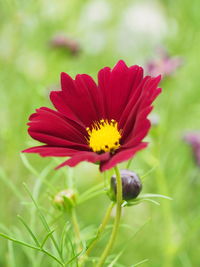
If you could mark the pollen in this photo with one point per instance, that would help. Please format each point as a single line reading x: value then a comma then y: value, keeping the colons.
x: 104, y: 136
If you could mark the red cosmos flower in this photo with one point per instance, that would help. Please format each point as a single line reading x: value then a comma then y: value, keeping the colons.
x: 102, y: 123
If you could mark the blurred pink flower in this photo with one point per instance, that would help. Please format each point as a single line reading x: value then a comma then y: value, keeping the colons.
x: 163, y: 64
x: 62, y: 41
x: 193, y: 139
x: 154, y: 119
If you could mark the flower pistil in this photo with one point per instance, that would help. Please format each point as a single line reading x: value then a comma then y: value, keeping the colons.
x: 104, y: 136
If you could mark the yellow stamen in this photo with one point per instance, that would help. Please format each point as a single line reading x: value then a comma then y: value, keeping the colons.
x: 104, y: 136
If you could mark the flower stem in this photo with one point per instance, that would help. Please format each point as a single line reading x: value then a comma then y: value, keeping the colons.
x: 76, y: 227
x: 117, y: 220
x: 101, y: 228
x: 129, y: 163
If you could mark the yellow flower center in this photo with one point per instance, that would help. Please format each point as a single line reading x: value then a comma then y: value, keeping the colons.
x: 104, y: 136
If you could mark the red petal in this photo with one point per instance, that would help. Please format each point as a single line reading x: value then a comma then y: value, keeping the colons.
x: 56, y: 141
x: 49, y: 121
x: 60, y: 103
x: 85, y: 156
x: 52, y: 128
x: 47, y: 151
x: 67, y: 83
x: 117, y: 86
x: 122, y: 155
x: 140, y: 129
x: 103, y: 80
x: 80, y: 99
x: 148, y: 93
x: 132, y: 102
x: 92, y: 94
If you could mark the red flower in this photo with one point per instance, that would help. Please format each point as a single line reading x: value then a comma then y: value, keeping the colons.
x: 102, y: 123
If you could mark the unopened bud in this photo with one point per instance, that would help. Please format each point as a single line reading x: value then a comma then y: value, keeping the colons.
x: 131, y: 185
x: 65, y: 199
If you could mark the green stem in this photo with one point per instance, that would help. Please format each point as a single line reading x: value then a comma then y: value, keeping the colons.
x: 76, y: 228
x: 101, y: 228
x: 129, y: 163
x: 167, y: 219
x: 117, y: 220
x: 168, y: 253
x: 99, y: 233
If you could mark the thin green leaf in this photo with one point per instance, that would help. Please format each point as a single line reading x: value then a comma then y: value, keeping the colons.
x: 19, y: 242
x: 150, y: 200
x: 148, y: 172
x: 129, y: 163
x: 91, y: 190
x: 63, y: 235
x: 138, y: 201
x: 40, y: 181
x: 92, y: 195
x: 31, y: 246
x: 126, y: 245
x: 43, y: 220
x: 75, y: 258
x: 46, y: 238
x: 115, y: 259
x: 52, y: 256
x: 28, y: 165
x: 73, y: 251
x: 155, y: 195
x: 11, y: 185
x: 29, y: 230
x: 143, y: 261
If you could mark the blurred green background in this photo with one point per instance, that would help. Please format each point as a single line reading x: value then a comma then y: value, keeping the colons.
x: 105, y: 31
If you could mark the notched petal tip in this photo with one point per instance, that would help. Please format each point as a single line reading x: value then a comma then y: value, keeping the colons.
x: 158, y: 78
x: 32, y: 116
x: 121, y: 65
x: 63, y: 74
x: 103, y: 71
x: 66, y: 81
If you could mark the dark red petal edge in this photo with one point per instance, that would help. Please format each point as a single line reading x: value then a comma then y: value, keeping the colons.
x: 122, y: 155
x: 84, y: 156
x: 49, y: 151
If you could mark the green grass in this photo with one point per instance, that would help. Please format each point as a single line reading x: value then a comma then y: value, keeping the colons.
x: 167, y: 235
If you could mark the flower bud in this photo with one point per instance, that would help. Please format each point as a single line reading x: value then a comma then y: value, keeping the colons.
x: 65, y: 199
x: 131, y: 185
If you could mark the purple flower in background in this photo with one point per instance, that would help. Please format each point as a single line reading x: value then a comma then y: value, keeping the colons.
x: 163, y: 64
x: 193, y: 139
x: 62, y: 41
